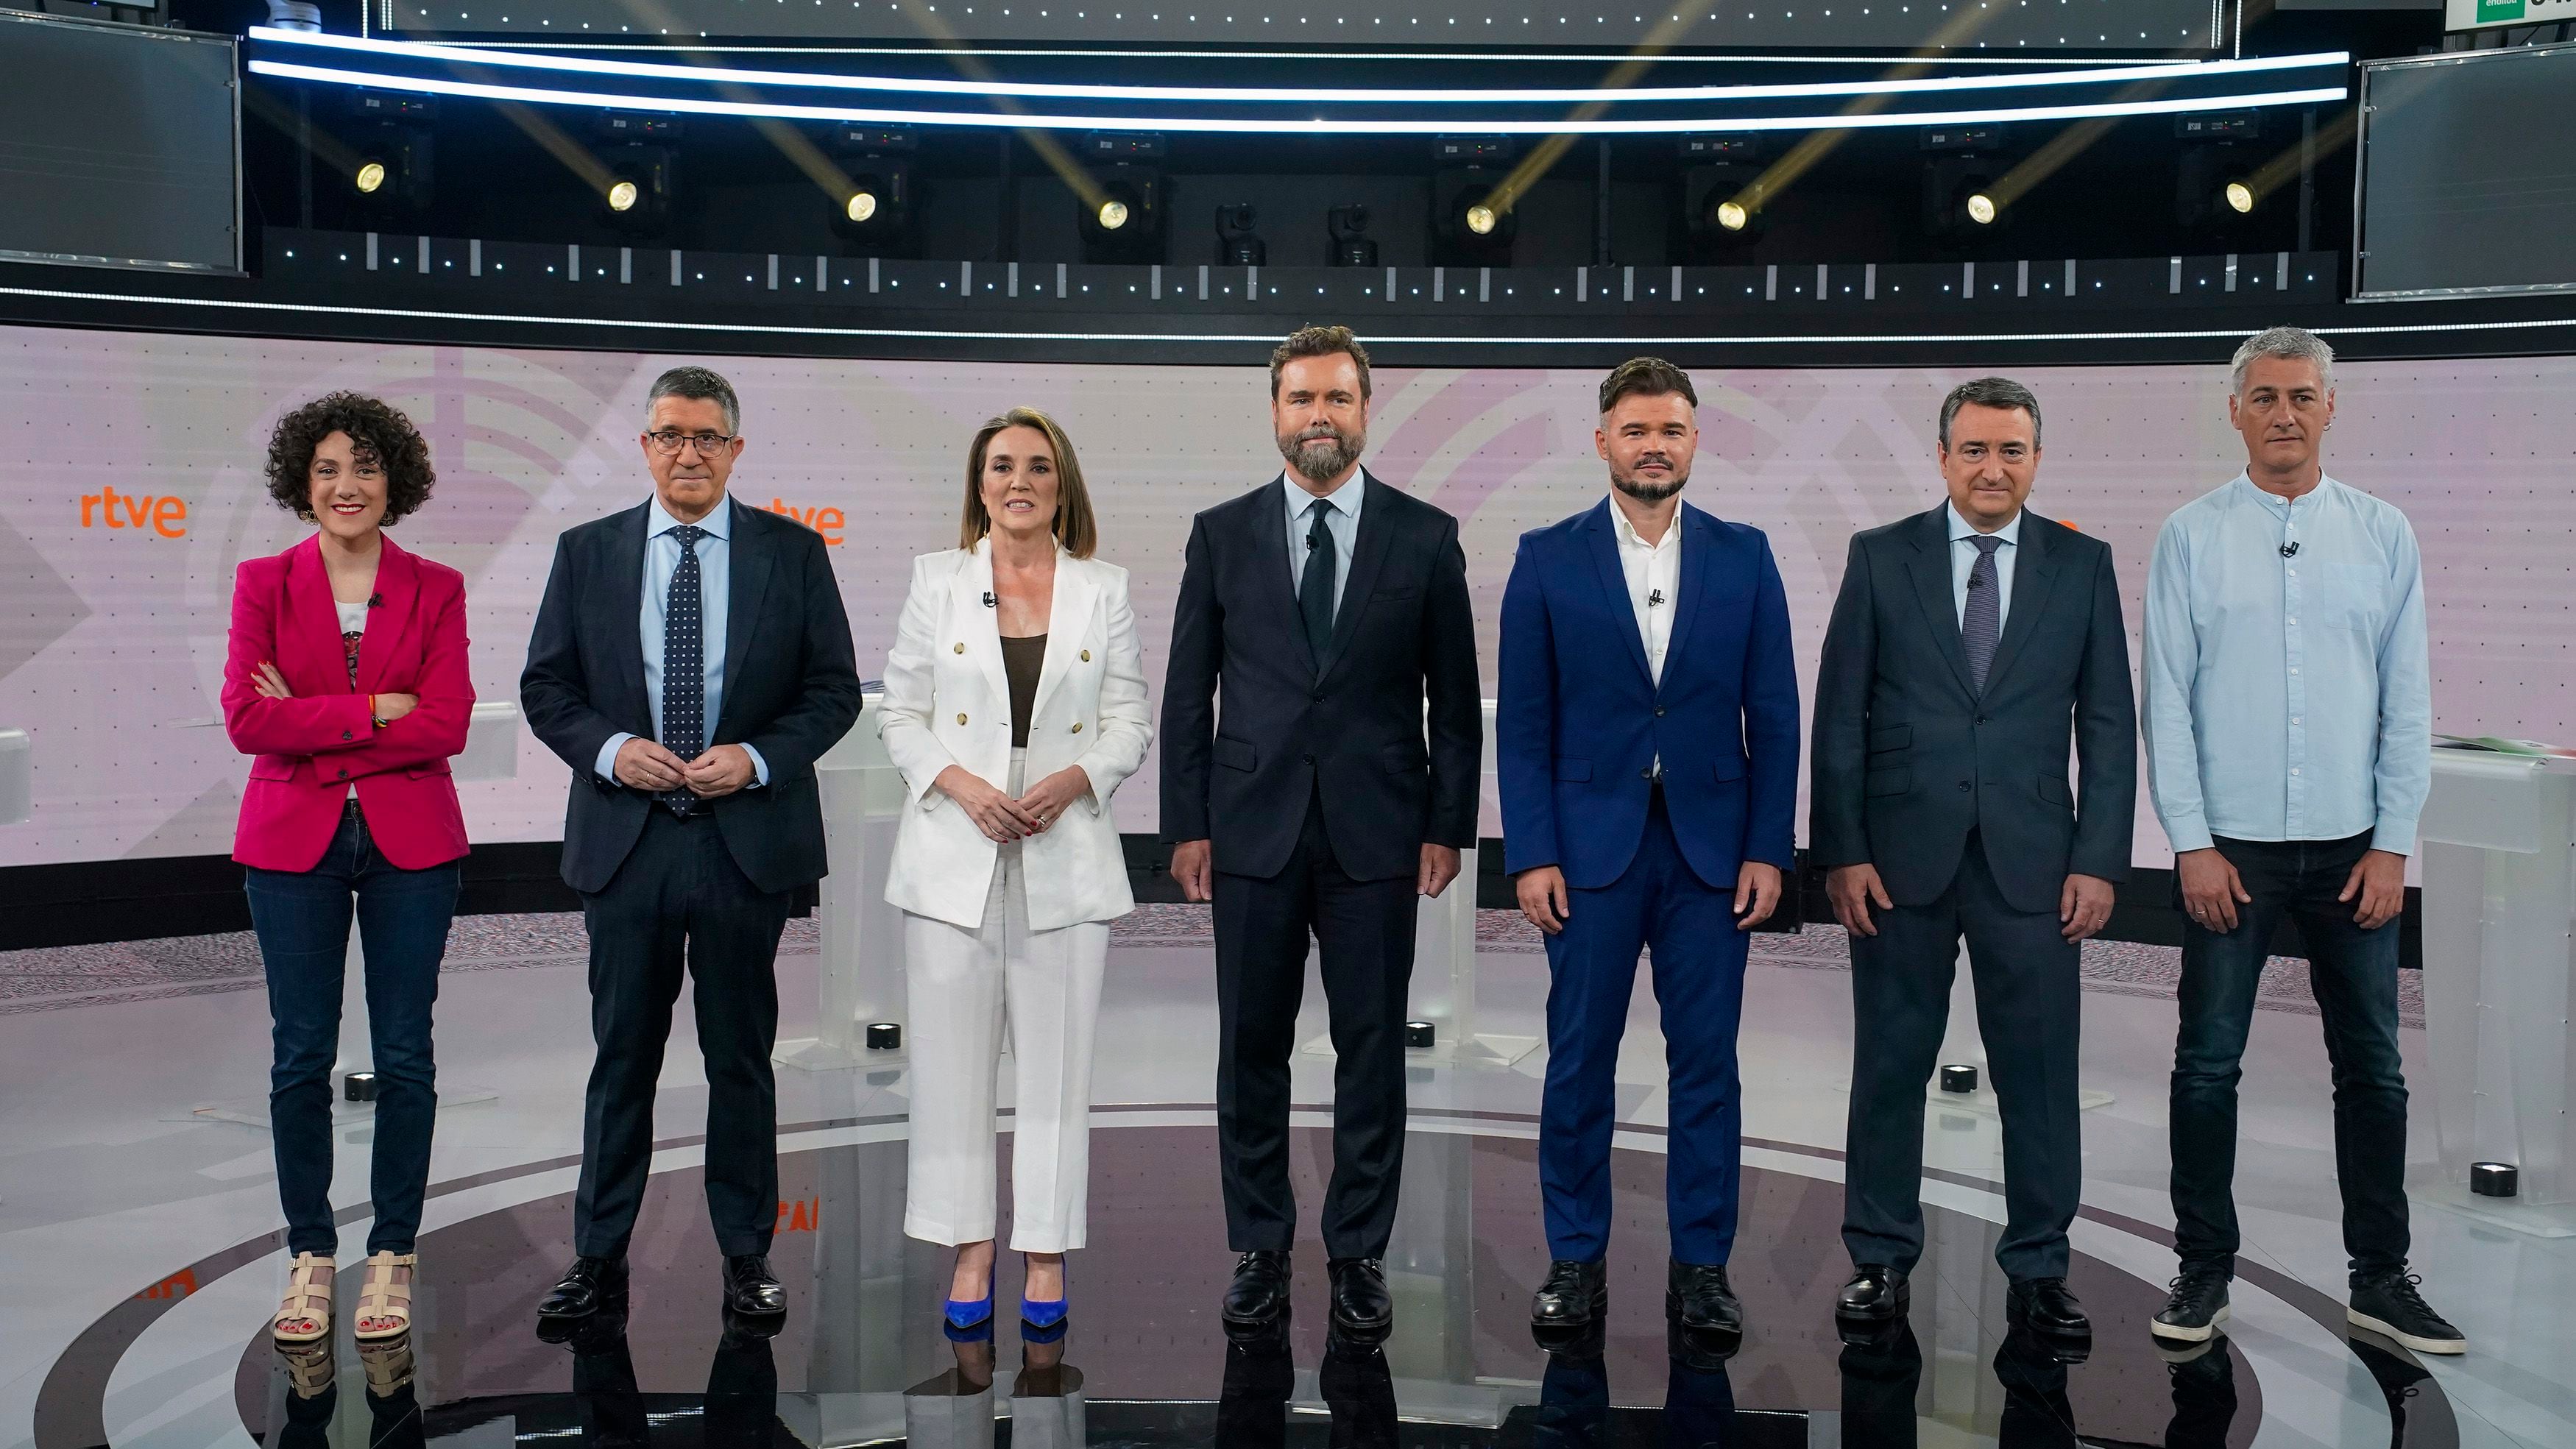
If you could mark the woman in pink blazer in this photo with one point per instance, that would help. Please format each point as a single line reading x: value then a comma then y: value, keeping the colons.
x: 345, y: 681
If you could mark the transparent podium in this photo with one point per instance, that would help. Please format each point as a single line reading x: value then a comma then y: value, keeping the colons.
x: 2495, y: 853
x: 862, y: 946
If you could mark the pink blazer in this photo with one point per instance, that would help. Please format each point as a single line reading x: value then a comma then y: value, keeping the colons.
x: 309, y: 750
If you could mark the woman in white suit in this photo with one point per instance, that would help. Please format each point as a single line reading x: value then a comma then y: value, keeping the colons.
x: 1014, y: 706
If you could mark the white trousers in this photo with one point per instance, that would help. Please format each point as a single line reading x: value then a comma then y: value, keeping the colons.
x: 967, y: 988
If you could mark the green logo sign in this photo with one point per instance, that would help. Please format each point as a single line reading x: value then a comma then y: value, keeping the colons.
x: 2492, y: 11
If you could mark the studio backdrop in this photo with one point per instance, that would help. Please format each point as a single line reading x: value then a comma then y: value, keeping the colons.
x: 131, y: 484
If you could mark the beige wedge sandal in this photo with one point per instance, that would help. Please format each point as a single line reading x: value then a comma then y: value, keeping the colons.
x: 384, y: 1305
x: 305, y: 1315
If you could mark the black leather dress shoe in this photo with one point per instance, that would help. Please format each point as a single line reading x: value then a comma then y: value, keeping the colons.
x: 1699, y: 1299
x: 1257, y: 1299
x: 589, y: 1285
x: 2045, y: 1307
x: 750, y: 1289
x: 1363, y: 1311
x: 1573, y: 1297
x: 1875, y: 1294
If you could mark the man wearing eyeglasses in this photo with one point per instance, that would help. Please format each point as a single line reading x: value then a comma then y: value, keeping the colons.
x: 691, y: 660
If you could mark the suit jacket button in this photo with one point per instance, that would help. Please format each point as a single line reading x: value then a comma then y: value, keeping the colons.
x: 344, y: 734
x: 344, y: 774
x: 1318, y: 696
x: 961, y: 646
x: 961, y: 719
x: 1310, y: 759
x: 1964, y: 785
x: 1647, y: 773
x: 1086, y: 656
x: 1077, y: 728
x: 1659, y: 711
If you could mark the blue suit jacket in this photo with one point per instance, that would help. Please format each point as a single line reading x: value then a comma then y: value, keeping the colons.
x: 1582, y: 721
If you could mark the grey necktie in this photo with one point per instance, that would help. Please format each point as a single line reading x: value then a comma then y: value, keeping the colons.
x: 1982, y: 621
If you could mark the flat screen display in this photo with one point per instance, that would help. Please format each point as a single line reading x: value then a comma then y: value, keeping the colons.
x: 2468, y: 185
x: 133, y: 487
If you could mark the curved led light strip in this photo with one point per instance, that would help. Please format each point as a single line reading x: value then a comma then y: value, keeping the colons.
x: 1316, y: 126
x: 1264, y: 339
x: 1480, y: 57
x: 1289, y: 95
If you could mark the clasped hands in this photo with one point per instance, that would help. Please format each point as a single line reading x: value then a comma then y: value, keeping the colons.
x: 644, y: 764
x: 1003, y: 819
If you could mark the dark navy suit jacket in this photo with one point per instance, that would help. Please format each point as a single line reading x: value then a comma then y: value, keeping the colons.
x: 1582, y: 721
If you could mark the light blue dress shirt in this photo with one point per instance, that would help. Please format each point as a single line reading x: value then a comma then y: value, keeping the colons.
x: 1342, y: 520
x: 2288, y: 695
x: 661, y: 561
x: 1963, y: 560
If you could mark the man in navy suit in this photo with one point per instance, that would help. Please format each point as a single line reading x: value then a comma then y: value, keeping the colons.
x: 1648, y: 741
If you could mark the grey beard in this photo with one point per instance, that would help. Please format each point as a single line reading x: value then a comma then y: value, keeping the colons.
x: 1327, y: 465
x: 1648, y: 492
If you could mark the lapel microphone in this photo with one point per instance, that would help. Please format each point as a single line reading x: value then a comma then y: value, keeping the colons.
x: 1654, y: 598
x: 988, y: 599
x: 375, y: 601
x: 2289, y: 550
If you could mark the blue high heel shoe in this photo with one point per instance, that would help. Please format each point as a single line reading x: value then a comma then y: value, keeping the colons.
x: 1046, y: 1315
x: 966, y: 1315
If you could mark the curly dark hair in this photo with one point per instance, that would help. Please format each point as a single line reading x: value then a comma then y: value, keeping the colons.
x: 380, y: 434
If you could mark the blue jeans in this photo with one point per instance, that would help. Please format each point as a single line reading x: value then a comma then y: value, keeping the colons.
x: 302, y: 919
x: 2354, y: 975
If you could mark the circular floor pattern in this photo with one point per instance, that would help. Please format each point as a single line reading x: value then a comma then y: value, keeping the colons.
x: 861, y: 1345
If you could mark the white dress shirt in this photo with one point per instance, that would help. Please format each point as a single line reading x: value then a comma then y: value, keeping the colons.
x: 1654, y: 573
x: 715, y: 577
x: 1963, y: 559
x: 1342, y: 520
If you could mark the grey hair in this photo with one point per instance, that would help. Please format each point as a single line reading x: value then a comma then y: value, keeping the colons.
x: 2294, y: 343
x: 704, y: 384
x: 1990, y: 392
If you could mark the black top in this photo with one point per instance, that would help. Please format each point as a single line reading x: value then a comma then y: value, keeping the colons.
x: 1021, y: 661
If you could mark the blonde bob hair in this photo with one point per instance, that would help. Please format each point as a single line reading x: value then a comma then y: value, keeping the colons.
x: 1073, y: 526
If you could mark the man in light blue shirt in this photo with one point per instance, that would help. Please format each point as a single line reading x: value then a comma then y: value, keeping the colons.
x: 2289, y: 749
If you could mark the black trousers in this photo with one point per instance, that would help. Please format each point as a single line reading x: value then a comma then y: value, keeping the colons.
x: 2029, y: 1005
x: 1365, y: 931
x: 2353, y: 974
x: 679, y: 900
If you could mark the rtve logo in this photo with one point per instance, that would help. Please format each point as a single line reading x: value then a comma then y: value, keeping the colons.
x: 825, y: 521
x: 167, y: 517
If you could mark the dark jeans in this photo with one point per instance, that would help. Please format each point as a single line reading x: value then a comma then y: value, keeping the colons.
x: 680, y: 901
x: 1364, y: 932
x: 302, y: 918
x: 2354, y: 975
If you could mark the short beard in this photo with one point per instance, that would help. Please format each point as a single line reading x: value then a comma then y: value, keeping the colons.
x: 1327, y: 465
x: 1645, y: 492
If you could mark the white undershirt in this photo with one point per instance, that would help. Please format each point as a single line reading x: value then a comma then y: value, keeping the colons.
x: 353, y: 617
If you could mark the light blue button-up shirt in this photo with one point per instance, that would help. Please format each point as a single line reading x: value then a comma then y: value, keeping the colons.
x: 661, y: 561
x: 1963, y: 561
x: 2288, y: 689
x: 1342, y: 520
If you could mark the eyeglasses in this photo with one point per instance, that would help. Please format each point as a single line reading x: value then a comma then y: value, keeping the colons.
x: 709, y: 444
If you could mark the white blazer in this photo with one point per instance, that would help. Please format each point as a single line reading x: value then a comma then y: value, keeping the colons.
x: 948, y: 702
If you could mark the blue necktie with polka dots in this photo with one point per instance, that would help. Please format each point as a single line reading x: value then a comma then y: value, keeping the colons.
x: 684, y: 665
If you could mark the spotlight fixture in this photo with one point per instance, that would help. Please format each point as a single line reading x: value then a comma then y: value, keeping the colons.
x: 1716, y: 177
x: 875, y: 211
x: 641, y: 164
x: 1348, y: 227
x: 1237, y: 244
x: 2212, y: 186
x: 1123, y: 223
x: 1960, y: 170
x: 1470, y: 225
x: 392, y: 139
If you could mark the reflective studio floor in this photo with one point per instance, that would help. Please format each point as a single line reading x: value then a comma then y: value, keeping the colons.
x: 139, y: 1256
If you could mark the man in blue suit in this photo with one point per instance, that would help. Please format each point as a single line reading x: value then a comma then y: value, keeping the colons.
x: 1648, y: 738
